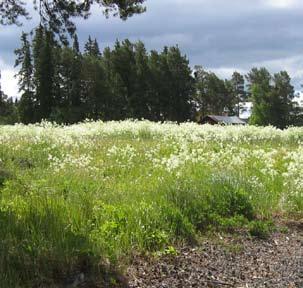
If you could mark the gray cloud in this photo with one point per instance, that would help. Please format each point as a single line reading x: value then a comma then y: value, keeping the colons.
x: 218, y: 34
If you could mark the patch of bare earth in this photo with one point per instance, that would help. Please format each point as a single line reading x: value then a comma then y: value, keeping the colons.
x: 227, y: 261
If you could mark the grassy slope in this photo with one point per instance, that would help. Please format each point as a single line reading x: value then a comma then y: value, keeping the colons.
x: 104, y: 190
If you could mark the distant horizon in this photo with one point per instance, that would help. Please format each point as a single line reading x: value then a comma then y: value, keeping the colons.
x: 238, y: 36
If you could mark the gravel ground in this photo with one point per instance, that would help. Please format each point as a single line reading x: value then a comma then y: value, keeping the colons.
x: 227, y: 261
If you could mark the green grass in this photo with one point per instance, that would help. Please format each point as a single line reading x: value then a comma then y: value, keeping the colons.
x: 103, y: 191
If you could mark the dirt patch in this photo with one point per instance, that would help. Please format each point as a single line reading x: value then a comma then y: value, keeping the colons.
x: 227, y: 261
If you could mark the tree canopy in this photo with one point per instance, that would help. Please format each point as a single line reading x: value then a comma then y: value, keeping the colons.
x: 272, y: 97
x: 58, y: 15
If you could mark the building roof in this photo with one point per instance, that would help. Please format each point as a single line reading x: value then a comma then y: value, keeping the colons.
x: 227, y: 120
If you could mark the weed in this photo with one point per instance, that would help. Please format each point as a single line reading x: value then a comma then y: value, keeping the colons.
x: 260, y: 229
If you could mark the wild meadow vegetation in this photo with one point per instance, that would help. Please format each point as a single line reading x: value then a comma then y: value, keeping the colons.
x: 103, y: 191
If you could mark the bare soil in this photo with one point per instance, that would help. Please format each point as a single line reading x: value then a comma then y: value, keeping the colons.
x: 227, y: 261
x: 232, y: 260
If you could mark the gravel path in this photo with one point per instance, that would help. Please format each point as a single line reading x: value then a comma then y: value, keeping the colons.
x: 228, y: 261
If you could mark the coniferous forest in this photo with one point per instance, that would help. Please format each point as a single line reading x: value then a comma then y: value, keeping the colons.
x: 60, y: 83
x: 63, y: 84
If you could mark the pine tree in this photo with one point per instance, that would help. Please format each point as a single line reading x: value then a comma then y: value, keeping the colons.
x: 181, y: 85
x: 57, y: 15
x: 26, y: 105
x: 281, y: 100
x: 212, y: 94
x: 217, y: 95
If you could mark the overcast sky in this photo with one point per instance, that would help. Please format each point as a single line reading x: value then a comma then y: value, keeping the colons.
x: 221, y: 35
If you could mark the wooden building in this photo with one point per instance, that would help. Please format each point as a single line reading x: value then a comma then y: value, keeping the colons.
x: 222, y: 120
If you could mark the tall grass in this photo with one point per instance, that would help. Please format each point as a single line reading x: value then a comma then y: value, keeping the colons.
x: 98, y: 191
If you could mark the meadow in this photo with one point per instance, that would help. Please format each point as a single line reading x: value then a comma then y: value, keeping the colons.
x: 104, y: 191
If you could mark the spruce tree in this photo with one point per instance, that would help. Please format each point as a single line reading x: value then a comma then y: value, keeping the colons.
x: 91, y: 48
x: 76, y: 81
x: 165, y: 86
x: 44, y: 72
x: 94, y: 87
x: 140, y: 99
x: 115, y: 98
x: 155, y: 89
x: 76, y: 47
x: 124, y: 64
x: 71, y: 83
x: 95, y: 49
x: 26, y: 105
x: 88, y: 47
x: 47, y: 76
x: 38, y: 45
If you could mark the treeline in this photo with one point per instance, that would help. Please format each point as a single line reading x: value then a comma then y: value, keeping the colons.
x: 65, y: 85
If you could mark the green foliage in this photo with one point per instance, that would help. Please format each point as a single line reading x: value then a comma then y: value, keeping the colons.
x: 106, y: 190
x: 238, y: 93
x: 62, y: 85
x: 8, y: 110
x: 4, y: 175
x: 260, y: 229
x: 26, y: 105
x: 57, y: 15
x: 214, y: 95
x: 217, y: 200
x: 272, y: 102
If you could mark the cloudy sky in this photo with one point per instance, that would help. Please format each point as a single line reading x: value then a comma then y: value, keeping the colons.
x: 221, y: 35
